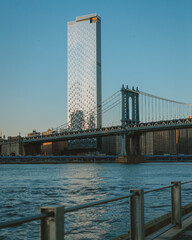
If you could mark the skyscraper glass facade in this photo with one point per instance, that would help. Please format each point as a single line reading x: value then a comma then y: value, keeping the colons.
x: 84, y: 72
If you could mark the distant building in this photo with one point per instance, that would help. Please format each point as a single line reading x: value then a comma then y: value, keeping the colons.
x: 12, y: 146
x: 33, y: 134
x: 47, y: 147
x: 84, y: 72
x: 53, y: 148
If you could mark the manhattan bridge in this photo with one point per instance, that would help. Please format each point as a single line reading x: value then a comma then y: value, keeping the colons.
x: 127, y: 113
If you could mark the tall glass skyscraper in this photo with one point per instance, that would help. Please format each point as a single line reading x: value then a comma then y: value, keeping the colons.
x: 84, y: 72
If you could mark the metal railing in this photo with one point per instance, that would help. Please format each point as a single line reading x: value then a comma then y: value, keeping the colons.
x: 53, y: 217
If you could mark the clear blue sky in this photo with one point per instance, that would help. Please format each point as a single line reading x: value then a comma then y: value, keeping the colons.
x: 145, y: 43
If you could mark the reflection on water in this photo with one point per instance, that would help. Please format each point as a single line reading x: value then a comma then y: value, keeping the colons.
x: 24, y: 188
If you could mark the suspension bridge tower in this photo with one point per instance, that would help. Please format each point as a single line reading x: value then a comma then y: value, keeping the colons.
x: 130, y: 115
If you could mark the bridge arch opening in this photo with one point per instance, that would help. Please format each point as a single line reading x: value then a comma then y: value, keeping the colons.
x: 130, y: 109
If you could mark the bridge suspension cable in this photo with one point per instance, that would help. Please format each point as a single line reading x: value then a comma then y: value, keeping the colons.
x: 108, y: 104
x: 151, y: 109
x: 154, y: 108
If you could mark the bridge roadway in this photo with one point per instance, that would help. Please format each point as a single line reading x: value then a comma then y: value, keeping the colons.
x: 110, y: 131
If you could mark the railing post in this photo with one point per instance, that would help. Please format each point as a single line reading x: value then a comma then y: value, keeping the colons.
x: 52, y: 228
x: 176, y: 216
x: 137, y: 214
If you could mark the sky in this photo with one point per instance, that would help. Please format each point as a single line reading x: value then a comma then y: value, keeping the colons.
x: 145, y: 44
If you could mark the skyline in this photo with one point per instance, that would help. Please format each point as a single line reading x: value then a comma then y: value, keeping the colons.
x: 144, y: 44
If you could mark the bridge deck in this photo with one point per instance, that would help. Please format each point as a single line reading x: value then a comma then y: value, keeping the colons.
x: 110, y: 131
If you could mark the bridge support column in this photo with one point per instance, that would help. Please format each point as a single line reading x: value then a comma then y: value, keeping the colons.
x: 99, y: 144
x: 135, y: 145
x: 32, y: 149
x: 123, y: 145
x: 130, y: 150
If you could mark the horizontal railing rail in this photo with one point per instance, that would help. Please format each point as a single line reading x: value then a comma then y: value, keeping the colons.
x: 25, y: 220
x: 186, y: 182
x: 52, y: 217
x: 95, y: 203
x: 158, y: 189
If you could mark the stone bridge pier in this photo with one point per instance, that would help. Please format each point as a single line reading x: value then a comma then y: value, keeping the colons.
x: 12, y: 147
x: 130, y: 149
x: 32, y: 149
x: 130, y: 144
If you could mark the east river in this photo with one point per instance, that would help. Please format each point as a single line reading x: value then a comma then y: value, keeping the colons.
x: 26, y: 187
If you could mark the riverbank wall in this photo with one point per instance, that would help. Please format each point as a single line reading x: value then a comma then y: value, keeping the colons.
x: 57, y: 159
x: 94, y: 159
x: 169, y: 158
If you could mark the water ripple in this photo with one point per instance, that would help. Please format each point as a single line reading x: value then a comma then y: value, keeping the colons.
x: 24, y: 188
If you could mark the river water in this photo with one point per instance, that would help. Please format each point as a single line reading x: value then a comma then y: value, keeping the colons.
x: 26, y: 187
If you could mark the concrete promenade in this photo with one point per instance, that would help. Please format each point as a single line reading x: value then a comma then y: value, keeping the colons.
x: 160, y: 228
x: 186, y: 235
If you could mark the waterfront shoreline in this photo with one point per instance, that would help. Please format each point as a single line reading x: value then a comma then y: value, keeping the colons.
x: 56, y: 159
x: 88, y: 159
